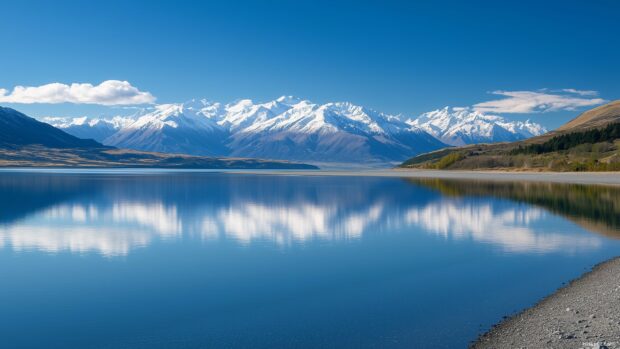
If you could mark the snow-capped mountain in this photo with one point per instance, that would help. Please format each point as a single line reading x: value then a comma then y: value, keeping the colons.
x: 460, y: 126
x: 189, y: 128
x: 294, y: 129
x: 98, y: 128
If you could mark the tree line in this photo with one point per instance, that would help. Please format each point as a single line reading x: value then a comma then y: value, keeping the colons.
x: 566, y: 141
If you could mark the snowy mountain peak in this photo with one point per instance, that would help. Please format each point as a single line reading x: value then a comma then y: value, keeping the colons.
x: 290, y: 100
x: 239, y: 105
x: 460, y: 126
x: 198, y: 104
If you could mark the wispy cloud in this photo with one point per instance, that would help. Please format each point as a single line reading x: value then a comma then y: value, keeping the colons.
x: 581, y: 92
x: 109, y: 92
x: 538, y: 101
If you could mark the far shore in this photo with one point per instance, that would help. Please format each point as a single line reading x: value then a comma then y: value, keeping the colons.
x: 594, y: 178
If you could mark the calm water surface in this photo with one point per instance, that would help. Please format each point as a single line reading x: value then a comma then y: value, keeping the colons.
x: 225, y: 260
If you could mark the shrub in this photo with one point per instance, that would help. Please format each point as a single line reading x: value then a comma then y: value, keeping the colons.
x: 448, y: 160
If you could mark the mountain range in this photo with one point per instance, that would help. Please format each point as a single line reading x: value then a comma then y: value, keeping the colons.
x: 291, y: 128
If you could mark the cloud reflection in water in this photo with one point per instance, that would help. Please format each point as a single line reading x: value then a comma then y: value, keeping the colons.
x: 509, y: 227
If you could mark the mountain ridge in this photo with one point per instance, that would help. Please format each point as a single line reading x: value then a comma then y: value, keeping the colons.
x: 292, y: 128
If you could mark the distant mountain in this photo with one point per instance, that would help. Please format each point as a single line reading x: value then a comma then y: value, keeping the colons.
x: 17, y: 129
x: 590, y: 142
x: 98, y: 128
x: 26, y: 142
x: 462, y: 126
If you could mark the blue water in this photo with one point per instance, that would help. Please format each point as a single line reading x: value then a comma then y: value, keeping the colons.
x: 233, y: 260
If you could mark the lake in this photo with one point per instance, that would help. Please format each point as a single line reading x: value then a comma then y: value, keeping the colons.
x: 172, y: 259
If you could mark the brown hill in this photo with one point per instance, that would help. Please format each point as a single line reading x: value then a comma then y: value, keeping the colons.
x: 594, y: 118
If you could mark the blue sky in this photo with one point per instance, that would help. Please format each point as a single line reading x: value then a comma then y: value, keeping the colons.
x: 398, y: 57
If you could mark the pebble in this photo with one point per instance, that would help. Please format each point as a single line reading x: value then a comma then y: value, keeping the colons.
x: 542, y: 324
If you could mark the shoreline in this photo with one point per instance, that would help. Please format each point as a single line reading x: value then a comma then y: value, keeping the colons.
x: 583, y: 314
x: 594, y: 178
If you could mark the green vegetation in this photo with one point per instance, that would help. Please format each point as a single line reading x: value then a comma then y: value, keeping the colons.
x: 448, y: 160
x: 570, y: 140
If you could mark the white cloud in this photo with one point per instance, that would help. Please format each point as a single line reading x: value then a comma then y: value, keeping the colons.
x: 535, y: 101
x: 109, y: 92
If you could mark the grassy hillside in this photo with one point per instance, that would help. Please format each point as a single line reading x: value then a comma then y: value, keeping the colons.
x: 591, y: 143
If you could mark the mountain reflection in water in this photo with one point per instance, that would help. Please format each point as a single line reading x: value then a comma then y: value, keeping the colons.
x: 113, y: 215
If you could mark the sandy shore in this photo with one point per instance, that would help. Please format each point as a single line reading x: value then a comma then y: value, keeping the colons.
x: 602, y: 178
x: 584, y: 314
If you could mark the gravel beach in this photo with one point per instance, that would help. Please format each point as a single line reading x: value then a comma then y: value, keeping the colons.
x: 583, y: 314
